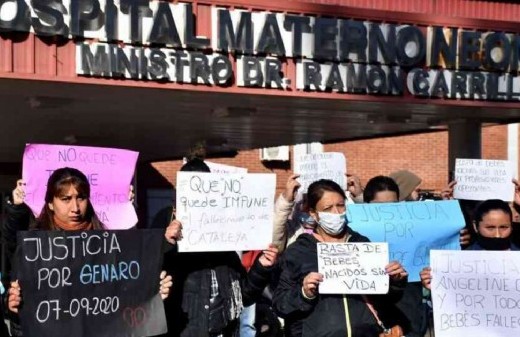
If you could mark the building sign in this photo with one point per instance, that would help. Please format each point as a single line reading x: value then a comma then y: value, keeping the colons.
x: 157, y: 40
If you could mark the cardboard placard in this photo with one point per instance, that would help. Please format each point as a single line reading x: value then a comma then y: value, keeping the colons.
x: 223, y: 168
x: 411, y: 229
x: 109, y: 172
x: 90, y: 283
x: 313, y: 167
x: 476, y: 293
x: 353, y: 268
x: 225, y: 212
x: 479, y: 179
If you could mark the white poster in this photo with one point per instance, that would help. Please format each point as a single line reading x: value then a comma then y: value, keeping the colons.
x: 223, y: 168
x: 225, y: 212
x: 353, y: 268
x: 476, y: 293
x: 316, y: 166
x: 479, y: 179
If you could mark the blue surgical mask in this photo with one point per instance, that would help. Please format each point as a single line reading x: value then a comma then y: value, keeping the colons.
x: 332, y: 223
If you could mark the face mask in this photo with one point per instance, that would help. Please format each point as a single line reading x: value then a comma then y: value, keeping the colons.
x: 493, y: 243
x: 332, y: 223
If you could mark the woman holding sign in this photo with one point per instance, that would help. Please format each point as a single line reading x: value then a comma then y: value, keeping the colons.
x: 297, y: 297
x: 493, y: 225
x: 67, y: 208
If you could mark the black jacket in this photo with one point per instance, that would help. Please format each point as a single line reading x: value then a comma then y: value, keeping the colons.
x: 188, y: 309
x: 18, y: 218
x: 189, y: 312
x: 325, y: 315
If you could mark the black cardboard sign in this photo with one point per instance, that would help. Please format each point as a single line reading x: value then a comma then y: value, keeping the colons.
x: 91, y: 283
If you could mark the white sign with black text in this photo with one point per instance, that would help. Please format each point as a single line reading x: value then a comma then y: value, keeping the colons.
x: 475, y: 293
x: 353, y: 268
x: 479, y: 179
x: 316, y: 166
x: 225, y: 211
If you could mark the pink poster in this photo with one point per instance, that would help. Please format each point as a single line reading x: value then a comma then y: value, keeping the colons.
x: 109, y: 172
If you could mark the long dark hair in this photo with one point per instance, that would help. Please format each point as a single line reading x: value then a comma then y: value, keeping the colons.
x: 59, y: 181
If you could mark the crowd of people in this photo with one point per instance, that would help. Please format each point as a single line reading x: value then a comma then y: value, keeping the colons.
x: 213, y: 294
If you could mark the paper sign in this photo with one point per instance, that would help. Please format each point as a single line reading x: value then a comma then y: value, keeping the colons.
x: 222, y: 168
x: 313, y: 167
x: 411, y: 229
x: 225, y: 212
x: 90, y: 284
x: 476, y: 293
x: 353, y: 268
x: 109, y: 172
x: 483, y: 179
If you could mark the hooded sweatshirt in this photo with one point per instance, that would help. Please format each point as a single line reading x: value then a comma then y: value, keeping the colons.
x: 407, y: 182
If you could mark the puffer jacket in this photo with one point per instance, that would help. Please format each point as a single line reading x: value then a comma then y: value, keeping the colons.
x: 325, y: 315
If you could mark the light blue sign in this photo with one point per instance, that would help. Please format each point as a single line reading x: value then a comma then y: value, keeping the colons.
x: 411, y: 229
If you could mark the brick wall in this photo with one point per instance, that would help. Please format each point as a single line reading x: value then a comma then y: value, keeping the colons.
x: 494, y: 142
x: 249, y: 159
x: 424, y: 154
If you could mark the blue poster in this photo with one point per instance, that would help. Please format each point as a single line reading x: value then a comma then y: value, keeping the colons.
x: 411, y: 229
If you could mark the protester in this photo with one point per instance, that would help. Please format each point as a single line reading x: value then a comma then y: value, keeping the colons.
x: 67, y: 207
x: 292, y: 218
x: 408, y: 183
x: 493, y: 225
x: 468, y: 206
x: 297, y: 298
x: 18, y: 218
x: 409, y: 187
x: 409, y: 312
x: 211, y: 287
x: 381, y: 189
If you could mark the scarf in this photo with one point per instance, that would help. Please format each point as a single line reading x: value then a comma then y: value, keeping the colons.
x: 83, y: 226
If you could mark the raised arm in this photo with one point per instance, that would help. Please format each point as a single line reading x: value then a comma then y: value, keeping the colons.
x: 282, y: 210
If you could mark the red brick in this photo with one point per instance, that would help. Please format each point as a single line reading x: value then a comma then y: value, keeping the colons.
x: 424, y: 154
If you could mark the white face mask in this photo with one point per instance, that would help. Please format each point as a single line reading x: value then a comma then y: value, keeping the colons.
x: 332, y: 223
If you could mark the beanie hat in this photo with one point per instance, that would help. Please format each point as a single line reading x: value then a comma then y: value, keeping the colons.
x: 407, y: 182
